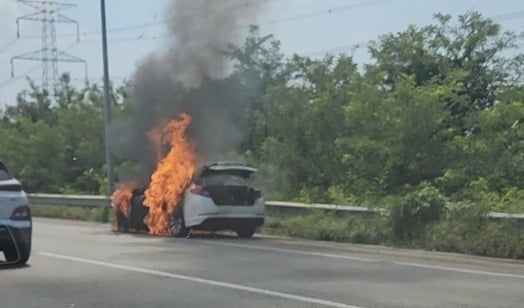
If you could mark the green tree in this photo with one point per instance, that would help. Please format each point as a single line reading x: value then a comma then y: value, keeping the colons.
x: 475, y: 46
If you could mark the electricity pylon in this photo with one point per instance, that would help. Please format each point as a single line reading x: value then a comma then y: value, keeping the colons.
x: 47, y: 12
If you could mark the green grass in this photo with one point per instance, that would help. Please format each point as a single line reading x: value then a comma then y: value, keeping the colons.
x: 503, y: 239
x: 322, y: 226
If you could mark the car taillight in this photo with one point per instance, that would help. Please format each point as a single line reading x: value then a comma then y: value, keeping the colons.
x: 11, y: 187
x: 21, y: 213
x: 198, y: 190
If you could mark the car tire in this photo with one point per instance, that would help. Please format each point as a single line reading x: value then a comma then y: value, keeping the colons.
x: 11, y: 254
x: 177, y: 225
x: 246, y: 232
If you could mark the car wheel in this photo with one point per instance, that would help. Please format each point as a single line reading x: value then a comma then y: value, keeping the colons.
x: 12, y: 255
x: 245, y: 232
x: 177, y: 225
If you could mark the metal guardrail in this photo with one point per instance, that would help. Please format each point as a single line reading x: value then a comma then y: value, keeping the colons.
x: 69, y: 200
x: 102, y: 201
x: 332, y: 207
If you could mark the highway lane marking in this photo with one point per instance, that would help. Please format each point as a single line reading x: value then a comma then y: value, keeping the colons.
x: 216, y: 283
x: 337, y: 256
x: 294, y: 251
x: 460, y: 270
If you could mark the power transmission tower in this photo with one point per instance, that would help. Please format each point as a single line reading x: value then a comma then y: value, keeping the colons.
x: 47, y: 12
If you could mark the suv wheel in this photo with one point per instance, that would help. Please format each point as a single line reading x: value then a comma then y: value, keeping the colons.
x: 245, y: 232
x: 12, y: 253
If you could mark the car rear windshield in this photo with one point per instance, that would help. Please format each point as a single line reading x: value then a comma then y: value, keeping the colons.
x: 222, y: 179
x: 4, y: 173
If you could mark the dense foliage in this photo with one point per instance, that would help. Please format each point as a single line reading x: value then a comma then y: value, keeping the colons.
x: 439, y: 110
x: 470, y: 233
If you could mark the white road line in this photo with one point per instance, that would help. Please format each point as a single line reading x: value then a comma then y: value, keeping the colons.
x: 337, y: 256
x: 305, y: 299
x: 294, y: 251
x: 460, y: 270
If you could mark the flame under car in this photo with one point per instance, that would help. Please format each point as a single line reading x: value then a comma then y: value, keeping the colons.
x: 219, y: 197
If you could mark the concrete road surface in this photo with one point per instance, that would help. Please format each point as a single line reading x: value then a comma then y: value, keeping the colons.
x: 84, y: 265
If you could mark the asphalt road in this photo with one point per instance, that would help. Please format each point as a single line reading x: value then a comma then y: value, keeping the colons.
x: 83, y: 265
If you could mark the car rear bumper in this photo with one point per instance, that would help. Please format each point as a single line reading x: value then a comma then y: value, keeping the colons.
x: 15, y: 231
x: 228, y: 222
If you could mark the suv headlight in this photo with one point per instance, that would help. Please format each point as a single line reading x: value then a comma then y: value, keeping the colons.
x: 21, y: 213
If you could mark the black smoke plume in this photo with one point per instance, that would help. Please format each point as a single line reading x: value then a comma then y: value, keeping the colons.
x: 191, y: 75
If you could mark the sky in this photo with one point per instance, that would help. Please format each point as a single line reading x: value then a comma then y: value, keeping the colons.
x: 136, y: 28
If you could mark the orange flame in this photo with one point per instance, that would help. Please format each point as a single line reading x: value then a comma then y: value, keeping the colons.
x: 171, y: 176
x: 155, y: 136
x: 121, y: 197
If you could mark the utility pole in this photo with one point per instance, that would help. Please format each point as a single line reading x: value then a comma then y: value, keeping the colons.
x: 107, y: 102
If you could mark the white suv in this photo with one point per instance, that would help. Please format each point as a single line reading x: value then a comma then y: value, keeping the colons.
x: 15, y: 220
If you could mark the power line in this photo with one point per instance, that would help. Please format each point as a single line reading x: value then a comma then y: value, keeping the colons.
x: 509, y: 16
x: 327, y: 11
x: 29, y: 71
x: 132, y: 39
x: 501, y: 17
x: 25, y: 74
x: 337, y: 49
x: 333, y: 10
x: 97, y: 79
x: 157, y: 23
x: 143, y: 25
x: 8, y: 45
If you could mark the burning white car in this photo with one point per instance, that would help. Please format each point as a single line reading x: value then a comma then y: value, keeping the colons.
x: 219, y: 197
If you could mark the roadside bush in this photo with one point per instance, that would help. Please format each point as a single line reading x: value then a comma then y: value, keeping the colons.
x: 494, y: 239
x: 497, y: 239
x: 445, y: 236
x: 316, y: 226
x: 467, y: 211
x: 67, y: 212
x: 512, y: 200
x: 467, y: 229
x: 507, y: 199
x: 368, y: 230
x: 409, y: 215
